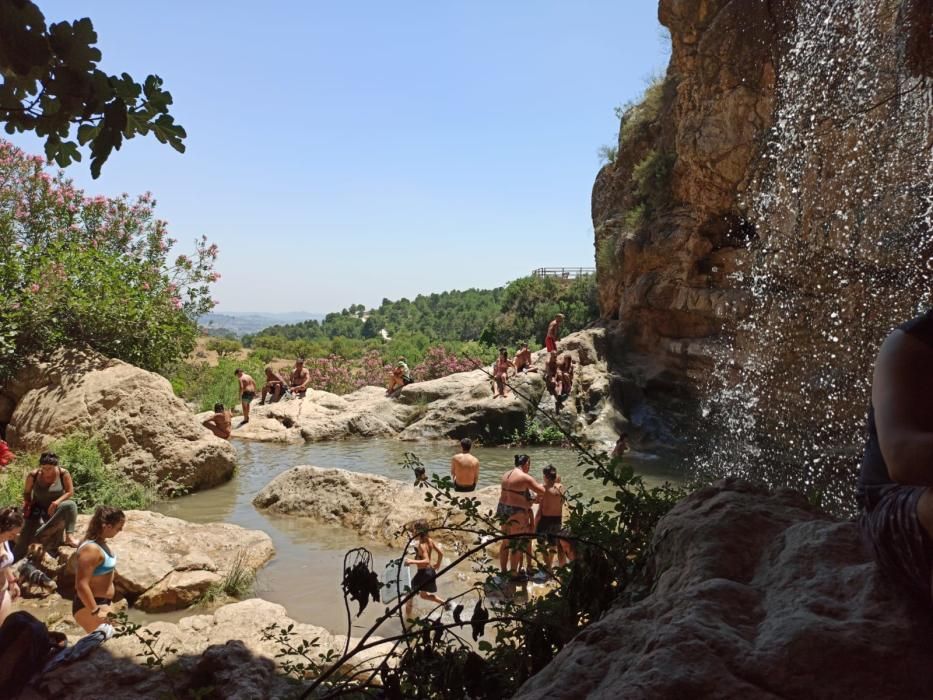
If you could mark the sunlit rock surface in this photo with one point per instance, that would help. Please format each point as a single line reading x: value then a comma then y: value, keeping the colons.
x: 375, y: 507
x: 758, y: 595
x: 153, y: 435
x: 456, y: 406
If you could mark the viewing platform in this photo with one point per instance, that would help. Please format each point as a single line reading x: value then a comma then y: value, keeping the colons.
x: 567, y: 273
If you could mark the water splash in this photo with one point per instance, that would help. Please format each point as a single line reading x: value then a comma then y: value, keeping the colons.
x: 842, y: 206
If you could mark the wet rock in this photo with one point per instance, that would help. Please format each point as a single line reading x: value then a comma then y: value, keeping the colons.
x: 374, y: 506
x: 151, y: 433
x: 758, y: 595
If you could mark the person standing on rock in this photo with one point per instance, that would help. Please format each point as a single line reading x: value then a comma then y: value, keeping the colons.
x: 553, y: 333
x: 221, y: 423
x: 48, y: 506
x: 464, y: 468
x: 514, y: 511
x: 247, y: 391
x: 894, y: 487
x: 301, y: 377
x: 550, y: 517
x: 94, y: 589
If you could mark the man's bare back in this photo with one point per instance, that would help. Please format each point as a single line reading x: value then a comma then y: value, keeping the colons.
x: 247, y: 383
x: 464, y: 467
x: 552, y: 500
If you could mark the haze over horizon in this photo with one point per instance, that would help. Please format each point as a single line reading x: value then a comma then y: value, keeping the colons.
x: 344, y: 153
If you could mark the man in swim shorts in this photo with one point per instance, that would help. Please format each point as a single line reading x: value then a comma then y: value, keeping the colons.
x: 550, y: 518
x: 553, y: 333
x: 300, y: 378
x: 247, y: 387
x: 464, y: 468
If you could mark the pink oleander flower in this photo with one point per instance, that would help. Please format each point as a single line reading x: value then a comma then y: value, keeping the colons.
x: 34, y: 288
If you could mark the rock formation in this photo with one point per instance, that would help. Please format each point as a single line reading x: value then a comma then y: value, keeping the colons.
x: 767, y: 216
x: 758, y: 595
x: 455, y: 406
x: 151, y: 433
x: 224, y: 651
x: 375, y: 507
x: 168, y: 564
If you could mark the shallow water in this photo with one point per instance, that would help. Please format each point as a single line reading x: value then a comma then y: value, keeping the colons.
x: 305, y: 573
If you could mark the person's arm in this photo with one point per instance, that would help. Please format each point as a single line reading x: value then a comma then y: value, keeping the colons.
x: 210, y: 422
x: 440, y: 554
x: 89, y: 558
x: 453, y: 471
x: 533, y: 485
x: 902, y: 397
x: 27, y: 490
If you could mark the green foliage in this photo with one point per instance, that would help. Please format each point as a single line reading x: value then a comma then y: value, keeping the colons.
x: 535, y: 432
x: 606, y: 252
x: 651, y: 185
x: 530, y: 303
x: 635, y: 116
x: 79, y: 271
x: 607, y: 154
x: 96, y: 480
x: 205, y: 385
x: 51, y: 84
x: 224, y: 346
x: 237, y: 582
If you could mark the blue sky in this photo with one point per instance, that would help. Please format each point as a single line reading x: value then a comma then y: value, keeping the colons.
x: 344, y: 152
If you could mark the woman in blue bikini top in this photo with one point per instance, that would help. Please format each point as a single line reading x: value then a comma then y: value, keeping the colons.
x: 94, y: 589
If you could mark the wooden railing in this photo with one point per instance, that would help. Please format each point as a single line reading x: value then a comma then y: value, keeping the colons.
x: 566, y: 273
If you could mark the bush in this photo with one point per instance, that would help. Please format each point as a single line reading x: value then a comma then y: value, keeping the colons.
x: 224, y: 346
x: 96, y: 480
x: 536, y: 433
x: 91, y: 272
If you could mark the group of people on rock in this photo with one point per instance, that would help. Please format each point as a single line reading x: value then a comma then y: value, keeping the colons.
x: 47, y: 520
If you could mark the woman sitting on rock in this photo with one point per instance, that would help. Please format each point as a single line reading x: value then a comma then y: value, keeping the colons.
x: 94, y: 588
x: 11, y: 522
x: 48, y: 507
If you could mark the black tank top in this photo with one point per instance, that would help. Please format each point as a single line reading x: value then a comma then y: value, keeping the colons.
x: 874, y: 471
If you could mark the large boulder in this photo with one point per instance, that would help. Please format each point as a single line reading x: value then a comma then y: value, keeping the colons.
x: 758, y: 595
x: 151, y: 433
x: 166, y: 564
x: 456, y: 406
x: 374, y: 506
x: 225, y: 651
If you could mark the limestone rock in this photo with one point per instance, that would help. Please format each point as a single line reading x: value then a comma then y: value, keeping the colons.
x: 374, y: 506
x: 244, y: 668
x: 151, y: 433
x: 165, y: 563
x: 758, y: 595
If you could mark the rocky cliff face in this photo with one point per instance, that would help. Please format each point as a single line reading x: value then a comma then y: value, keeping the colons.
x: 768, y: 217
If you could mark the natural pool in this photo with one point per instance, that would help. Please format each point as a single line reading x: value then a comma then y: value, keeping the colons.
x: 305, y: 573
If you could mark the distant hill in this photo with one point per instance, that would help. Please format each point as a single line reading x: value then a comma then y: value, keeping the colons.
x: 239, y: 323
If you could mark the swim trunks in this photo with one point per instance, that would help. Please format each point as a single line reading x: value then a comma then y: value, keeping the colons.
x: 464, y: 489
x: 506, y: 511
x: 425, y: 580
x: 249, y: 396
x: 902, y: 547
x: 550, y: 344
x: 549, y: 525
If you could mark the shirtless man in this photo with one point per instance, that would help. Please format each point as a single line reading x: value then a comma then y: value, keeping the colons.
x: 514, y: 510
x: 247, y: 391
x: 464, y: 468
x: 522, y: 360
x: 549, y: 520
x: 564, y: 380
x: 221, y: 423
x: 300, y: 378
x: 275, y: 385
x: 553, y: 332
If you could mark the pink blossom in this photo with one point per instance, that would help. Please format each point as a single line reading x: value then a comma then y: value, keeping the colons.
x: 176, y: 302
x: 213, y: 277
x: 34, y: 288
x: 146, y: 286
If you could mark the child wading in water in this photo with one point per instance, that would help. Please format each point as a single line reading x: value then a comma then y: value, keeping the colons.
x: 424, y: 581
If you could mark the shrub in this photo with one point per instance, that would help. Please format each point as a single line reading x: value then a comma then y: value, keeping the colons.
x: 97, y: 480
x: 224, y: 346
x: 93, y: 271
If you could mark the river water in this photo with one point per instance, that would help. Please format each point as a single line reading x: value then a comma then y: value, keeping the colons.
x: 305, y: 573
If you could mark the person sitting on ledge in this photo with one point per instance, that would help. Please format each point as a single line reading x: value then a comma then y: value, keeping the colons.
x: 399, y: 377
x: 300, y: 379
x: 894, y: 487
x: 275, y: 385
x: 221, y: 423
x: 522, y: 360
x: 50, y: 512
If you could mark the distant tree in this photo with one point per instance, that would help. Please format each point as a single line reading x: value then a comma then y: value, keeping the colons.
x: 51, y: 83
x: 224, y: 346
